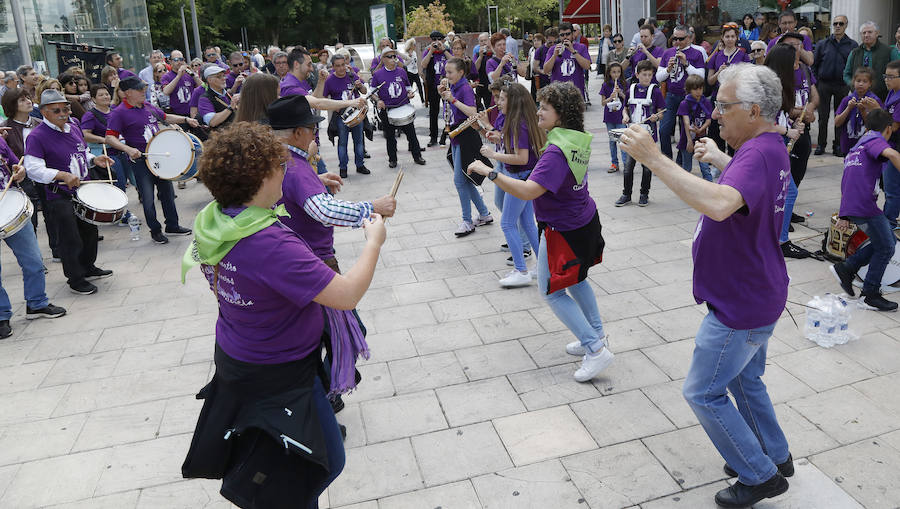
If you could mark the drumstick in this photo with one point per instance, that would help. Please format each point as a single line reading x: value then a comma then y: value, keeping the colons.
x: 108, y: 171
x: 158, y: 154
x: 111, y: 181
x: 396, y: 185
x: 5, y: 189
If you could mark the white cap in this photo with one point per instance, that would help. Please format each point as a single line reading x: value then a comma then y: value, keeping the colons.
x: 213, y: 69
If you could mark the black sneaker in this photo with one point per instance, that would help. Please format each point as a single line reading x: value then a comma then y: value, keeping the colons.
x: 786, y: 469
x: 48, y: 311
x: 791, y: 228
x: 838, y: 153
x: 159, y: 238
x: 392, y: 164
x: 83, y: 288
x: 844, y: 277
x: 367, y: 155
x: 741, y: 495
x: 791, y: 250
x: 5, y: 329
x: 97, y: 273
x: 362, y: 170
x: 643, y: 201
x: 526, y: 254
x: 337, y: 404
x: 343, y: 173
x: 432, y: 143
x: 875, y: 301
x: 178, y: 231
x: 819, y: 151
x: 419, y: 161
x: 797, y: 218
x: 623, y: 200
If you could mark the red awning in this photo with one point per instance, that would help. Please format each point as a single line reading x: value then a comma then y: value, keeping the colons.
x: 582, y: 11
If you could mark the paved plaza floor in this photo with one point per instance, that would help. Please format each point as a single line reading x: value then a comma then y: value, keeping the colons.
x: 468, y: 399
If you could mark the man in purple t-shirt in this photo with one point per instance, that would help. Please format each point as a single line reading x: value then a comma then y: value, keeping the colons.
x: 56, y: 155
x: 676, y: 64
x: 342, y: 86
x: 136, y: 122
x: 394, y: 92
x: 646, y: 50
x: 234, y: 80
x: 179, y: 84
x: 859, y: 205
x: 432, y: 65
x: 740, y: 273
x: 114, y: 59
x: 787, y: 22
x: 568, y: 59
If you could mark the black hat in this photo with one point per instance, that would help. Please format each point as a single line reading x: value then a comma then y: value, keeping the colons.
x: 132, y: 83
x: 290, y: 112
x: 795, y: 35
x: 436, y: 35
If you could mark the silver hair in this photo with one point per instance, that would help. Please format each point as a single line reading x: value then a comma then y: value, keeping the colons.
x: 755, y: 84
x: 279, y: 55
x: 484, y: 33
x: 867, y: 24
x: 684, y: 28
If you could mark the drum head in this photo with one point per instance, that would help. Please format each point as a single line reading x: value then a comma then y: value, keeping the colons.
x: 102, y: 197
x: 12, y: 206
x: 180, y: 150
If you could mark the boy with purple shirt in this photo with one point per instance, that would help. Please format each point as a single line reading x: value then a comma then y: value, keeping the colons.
x: 568, y: 60
x: 645, y: 105
x: 676, y: 64
x: 694, y: 116
x: 859, y: 205
x: 851, y: 112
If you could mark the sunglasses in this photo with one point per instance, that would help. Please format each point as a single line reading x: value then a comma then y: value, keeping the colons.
x: 239, y: 64
x: 618, y: 40
x: 178, y: 59
x: 57, y: 111
x: 565, y: 34
x: 211, y: 55
x: 756, y: 50
x: 678, y: 38
x: 390, y: 56
x: 838, y: 23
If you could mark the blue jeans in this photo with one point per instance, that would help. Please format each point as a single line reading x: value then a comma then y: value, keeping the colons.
x: 124, y: 172
x: 890, y: 177
x: 877, y: 253
x: 164, y: 190
x: 667, y: 125
x: 613, y: 146
x: 359, y: 148
x: 334, y: 443
x: 518, y: 219
x: 24, y: 246
x: 468, y: 193
x: 499, y: 198
x: 748, y: 437
x: 789, y: 201
x: 687, y: 162
x: 577, y: 311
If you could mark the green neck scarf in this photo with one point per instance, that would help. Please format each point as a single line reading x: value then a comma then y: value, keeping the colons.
x: 215, y: 232
x: 575, y: 146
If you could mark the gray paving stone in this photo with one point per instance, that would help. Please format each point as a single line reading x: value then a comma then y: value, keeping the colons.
x: 630, y: 370
x: 82, y: 367
x: 444, y: 337
x: 376, y: 471
x: 549, y: 349
x: 782, y: 386
x: 537, y: 486
x: 630, y: 334
x: 501, y: 327
x: 115, y: 338
x: 675, y: 324
x: 846, y: 415
x: 688, y: 455
x: 24, y: 377
x: 543, y: 434
x: 376, y: 383
x: 619, y: 476
x: 461, y: 308
x: 13, y: 353
x: 74, y: 478
x: 426, y: 372
x: 623, y: 305
x: 479, y: 401
x: 144, y: 358
x: 696, y: 498
x: 622, y: 280
x: 425, y: 291
x: 879, y: 353
x: 508, y: 300
x: 804, y: 437
x: 402, y: 416
x: 401, y: 317
x: 29, y: 441
x: 823, y: 369
x: 389, y: 346
x: 668, y: 398
x: 30, y: 405
x: 459, y: 495
x: 603, y: 417
x: 486, y: 361
x: 180, y: 415
x: 673, y: 358
x: 143, y: 464
x: 459, y: 453
x: 120, y: 425
x: 184, y: 495
x: 810, y: 488
x: 882, y: 390
x: 116, y: 501
x: 670, y: 296
x: 66, y: 345
x: 552, y: 386
x: 866, y: 470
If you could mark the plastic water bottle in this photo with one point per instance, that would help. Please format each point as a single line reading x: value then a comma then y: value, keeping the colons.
x: 843, y: 316
x: 135, y: 224
x: 829, y: 328
x: 813, y: 329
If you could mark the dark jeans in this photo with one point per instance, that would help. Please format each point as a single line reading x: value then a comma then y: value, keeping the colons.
x: 52, y: 229
x: 77, y: 240
x: 828, y: 91
x: 628, y: 173
x: 414, y: 78
x: 890, y: 178
x: 409, y: 130
x: 667, y: 125
x: 434, y: 109
x: 164, y: 190
x: 877, y: 253
x: 800, y: 157
x: 334, y: 442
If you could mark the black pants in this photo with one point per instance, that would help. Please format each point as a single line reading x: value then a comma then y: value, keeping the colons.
x: 628, y: 173
x: 482, y: 97
x: 829, y: 91
x: 38, y: 199
x: 414, y: 78
x: 409, y: 130
x: 77, y: 240
x: 800, y: 157
x: 434, y: 109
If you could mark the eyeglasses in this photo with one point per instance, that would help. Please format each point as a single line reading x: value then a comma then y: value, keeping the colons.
x: 390, y: 56
x: 618, y: 40
x: 721, y: 105
x: 57, y: 111
x: 678, y: 38
x: 565, y: 34
x: 839, y: 23
x: 211, y: 55
x: 888, y: 77
x: 757, y: 50
x: 238, y: 64
x: 178, y: 59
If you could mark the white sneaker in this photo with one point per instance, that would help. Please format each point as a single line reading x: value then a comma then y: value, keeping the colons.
x: 593, y: 364
x: 515, y: 278
x: 575, y: 348
x: 464, y: 229
x: 483, y: 220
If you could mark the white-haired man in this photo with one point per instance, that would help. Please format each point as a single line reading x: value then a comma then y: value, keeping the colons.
x: 870, y: 53
x: 739, y: 226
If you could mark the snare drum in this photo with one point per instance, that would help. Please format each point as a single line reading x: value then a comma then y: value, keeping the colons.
x: 15, y: 212
x: 401, y: 115
x: 352, y: 116
x: 99, y: 203
x: 172, y: 154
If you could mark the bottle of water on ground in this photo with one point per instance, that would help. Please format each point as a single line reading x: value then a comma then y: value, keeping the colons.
x: 135, y: 224
x: 828, y: 321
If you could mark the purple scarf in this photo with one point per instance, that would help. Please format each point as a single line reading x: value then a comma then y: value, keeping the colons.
x: 855, y: 127
x: 347, y: 343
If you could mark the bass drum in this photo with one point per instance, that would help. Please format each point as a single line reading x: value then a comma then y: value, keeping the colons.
x: 172, y: 154
x: 401, y: 115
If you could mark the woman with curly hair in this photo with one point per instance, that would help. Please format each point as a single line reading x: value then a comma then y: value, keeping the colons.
x: 271, y: 324
x: 571, y: 240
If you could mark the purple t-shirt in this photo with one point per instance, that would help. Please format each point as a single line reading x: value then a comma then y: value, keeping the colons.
x: 393, y: 93
x: 522, y: 141
x: 340, y: 88
x: 377, y: 59
x: 854, y: 127
x: 566, y: 68
x: 438, y: 61
x: 135, y: 125
x: 463, y: 93
x: 195, y: 97
x: 266, y: 310
x: 697, y: 112
x: 639, y: 55
x: 493, y: 63
x: 862, y: 168
x: 803, y: 82
x: 739, y: 269
x: 680, y: 74
x: 180, y: 98
x: 566, y: 205
x: 291, y: 85
x: 610, y: 116
x: 637, y: 110
x: 97, y: 127
x: 204, y: 105
x: 301, y: 182
x: 7, y: 160
x: 738, y: 57
x: 61, y: 151
x: 892, y: 105
x: 124, y: 73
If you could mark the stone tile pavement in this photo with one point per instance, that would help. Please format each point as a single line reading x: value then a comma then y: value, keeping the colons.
x: 468, y: 399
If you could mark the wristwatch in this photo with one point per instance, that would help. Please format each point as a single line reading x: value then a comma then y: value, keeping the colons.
x: 492, y: 175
